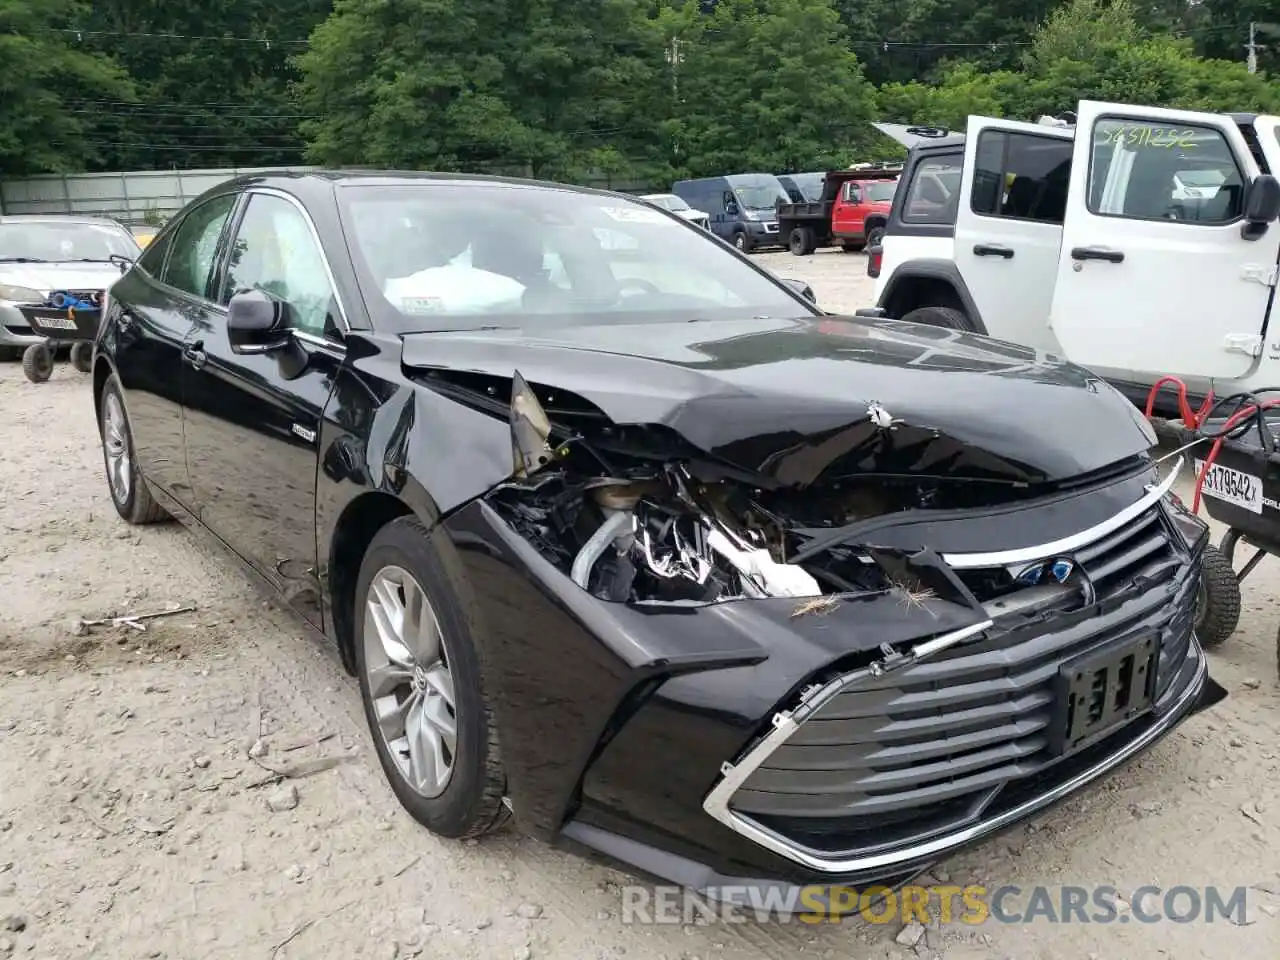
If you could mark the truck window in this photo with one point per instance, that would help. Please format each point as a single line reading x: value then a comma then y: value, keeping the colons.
x: 851, y: 193
x: 1021, y: 176
x: 934, y: 196
x: 1142, y: 171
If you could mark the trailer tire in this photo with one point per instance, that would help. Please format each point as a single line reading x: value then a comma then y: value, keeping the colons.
x: 802, y: 241
x: 82, y: 356
x: 944, y: 317
x: 1218, y: 599
x: 37, y: 362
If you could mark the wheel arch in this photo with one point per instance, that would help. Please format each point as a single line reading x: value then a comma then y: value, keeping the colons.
x: 929, y: 283
x: 102, y: 371
x: 357, y: 525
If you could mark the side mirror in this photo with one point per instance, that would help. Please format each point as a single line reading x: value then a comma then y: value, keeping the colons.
x: 257, y: 323
x: 1261, y: 206
x: 802, y: 288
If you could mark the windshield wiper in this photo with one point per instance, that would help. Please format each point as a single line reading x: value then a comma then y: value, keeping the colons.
x: 22, y: 260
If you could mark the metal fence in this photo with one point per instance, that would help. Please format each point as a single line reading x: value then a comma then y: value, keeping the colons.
x: 132, y: 197
x: 139, y: 197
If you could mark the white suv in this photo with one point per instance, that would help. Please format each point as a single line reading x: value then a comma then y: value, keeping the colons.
x: 1087, y: 242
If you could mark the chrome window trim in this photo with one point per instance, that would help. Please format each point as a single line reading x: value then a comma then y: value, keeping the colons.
x: 785, y: 725
x: 319, y: 341
x: 315, y: 235
x: 1000, y: 558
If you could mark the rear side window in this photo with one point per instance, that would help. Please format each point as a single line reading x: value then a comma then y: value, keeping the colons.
x: 1179, y: 173
x: 195, y: 244
x: 934, y: 195
x: 1021, y: 176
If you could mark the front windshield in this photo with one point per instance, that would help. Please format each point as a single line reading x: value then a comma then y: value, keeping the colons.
x: 669, y: 201
x: 878, y: 191
x: 437, y: 256
x: 809, y: 185
x: 760, y: 196
x: 41, y: 241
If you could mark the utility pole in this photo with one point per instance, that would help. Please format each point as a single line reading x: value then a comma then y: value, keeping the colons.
x: 1252, y: 47
x: 673, y: 57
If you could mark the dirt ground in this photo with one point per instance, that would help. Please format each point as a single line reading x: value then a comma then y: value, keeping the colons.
x: 136, y: 811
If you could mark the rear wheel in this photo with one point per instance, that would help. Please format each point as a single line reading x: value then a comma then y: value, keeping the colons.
x: 421, y: 686
x: 944, y: 317
x: 802, y: 241
x: 129, y: 492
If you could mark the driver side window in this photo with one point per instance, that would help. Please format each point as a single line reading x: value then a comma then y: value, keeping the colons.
x: 274, y: 251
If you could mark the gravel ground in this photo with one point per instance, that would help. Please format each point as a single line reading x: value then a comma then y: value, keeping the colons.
x: 137, y: 818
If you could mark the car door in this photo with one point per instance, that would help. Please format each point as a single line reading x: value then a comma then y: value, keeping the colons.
x: 1013, y: 191
x: 158, y: 302
x: 252, y: 421
x: 1150, y: 283
x: 844, y: 215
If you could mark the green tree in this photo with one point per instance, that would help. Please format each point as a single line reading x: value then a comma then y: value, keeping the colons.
x: 1087, y: 50
x: 555, y: 88
x: 770, y: 85
x: 42, y: 75
x: 213, y: 81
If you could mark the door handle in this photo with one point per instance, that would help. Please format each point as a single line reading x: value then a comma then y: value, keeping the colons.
x: 1097, y: 253
x: 193, y: 353
x: 992, y: 250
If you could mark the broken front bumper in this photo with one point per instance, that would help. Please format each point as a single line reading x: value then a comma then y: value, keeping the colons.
x: 741, y: 743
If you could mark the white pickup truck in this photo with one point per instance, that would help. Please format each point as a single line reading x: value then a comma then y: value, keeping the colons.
x: 1139, y: 242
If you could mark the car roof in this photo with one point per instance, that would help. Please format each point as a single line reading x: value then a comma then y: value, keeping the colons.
x: 306, y: 182
x: 71, y: 218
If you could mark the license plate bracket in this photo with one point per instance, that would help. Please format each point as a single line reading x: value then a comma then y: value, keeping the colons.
x: 1102, y: 690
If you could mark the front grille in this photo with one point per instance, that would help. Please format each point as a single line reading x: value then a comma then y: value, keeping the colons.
x: 931, y: 747
x: 770, y: 228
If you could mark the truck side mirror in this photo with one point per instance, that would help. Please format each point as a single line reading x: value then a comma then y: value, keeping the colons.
x: 1261, y: 206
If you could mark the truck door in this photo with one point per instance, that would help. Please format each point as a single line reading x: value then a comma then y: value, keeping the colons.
x: 1009, y: 224
x: 845, y: 221
x: 1155, y: 276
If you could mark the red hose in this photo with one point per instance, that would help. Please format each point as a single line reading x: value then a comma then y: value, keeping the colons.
x: 1192, y: 419
x: 1232, y: 421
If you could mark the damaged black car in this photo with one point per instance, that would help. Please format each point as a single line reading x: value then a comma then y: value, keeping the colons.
x: 626, y: 538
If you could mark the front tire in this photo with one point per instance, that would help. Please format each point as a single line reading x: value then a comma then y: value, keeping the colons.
x: 422, y: 689
x: 129, y: 492
x: 944, y: 317
x: 742, y: 241
x: 875, y: 236
x: 1218, y: 599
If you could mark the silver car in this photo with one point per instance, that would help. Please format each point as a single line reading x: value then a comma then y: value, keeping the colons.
x: 43, y: 254
x: 669, y: 201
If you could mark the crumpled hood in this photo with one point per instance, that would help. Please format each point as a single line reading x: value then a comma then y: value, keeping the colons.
x: 794, y: 398
x: 47, y: 277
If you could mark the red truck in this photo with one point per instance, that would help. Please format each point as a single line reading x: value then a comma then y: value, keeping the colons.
x: 852, y: 211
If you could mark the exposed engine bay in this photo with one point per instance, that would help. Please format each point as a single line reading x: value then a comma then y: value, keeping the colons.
x: 631, y: 522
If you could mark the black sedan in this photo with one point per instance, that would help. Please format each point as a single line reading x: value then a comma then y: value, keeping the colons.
x: 624, y: 535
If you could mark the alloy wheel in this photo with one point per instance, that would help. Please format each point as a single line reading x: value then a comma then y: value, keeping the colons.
x: 410, y: 685
x: 115, y: 443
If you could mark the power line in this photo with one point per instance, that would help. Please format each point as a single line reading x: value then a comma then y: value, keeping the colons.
x: 265, y: 41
